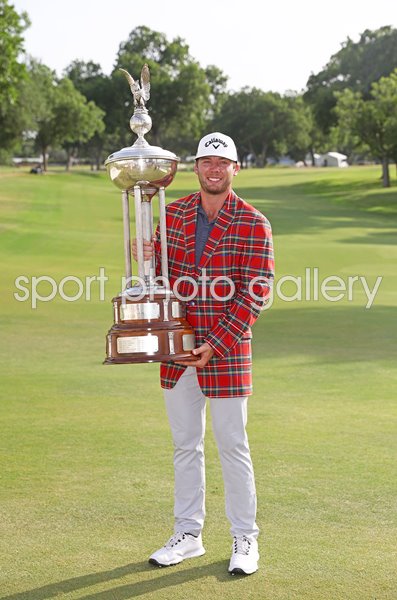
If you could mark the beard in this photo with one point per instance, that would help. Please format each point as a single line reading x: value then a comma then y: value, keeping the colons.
x: 214, y: 187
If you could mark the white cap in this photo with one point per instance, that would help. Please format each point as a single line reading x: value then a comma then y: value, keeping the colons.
x: 217, y: 144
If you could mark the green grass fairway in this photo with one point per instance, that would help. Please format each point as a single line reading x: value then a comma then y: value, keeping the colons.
x: 86, y: 488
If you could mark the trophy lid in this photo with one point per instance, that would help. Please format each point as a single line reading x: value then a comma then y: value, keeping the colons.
x: 133, y: 152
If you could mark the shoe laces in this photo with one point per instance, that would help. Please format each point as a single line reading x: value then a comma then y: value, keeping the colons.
x: 241, y: 545
x: 175, y: 539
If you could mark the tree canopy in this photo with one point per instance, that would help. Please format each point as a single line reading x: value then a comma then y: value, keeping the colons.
x: 12, y: 71
x: 265, y: 124
x: 89, y: 79
x: 348, y: 106
x: 356, y: 66
x: 12, y: 26
x: 180, y: 99
x: 59, y: 113
x: 373, y: 120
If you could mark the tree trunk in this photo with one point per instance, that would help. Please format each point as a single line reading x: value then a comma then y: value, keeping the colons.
x: 264, y: 154
x: 385, y: 172
x: 98, y: 161
x: 69, y: 159
x: 44, y: 153
x: 261, y: 159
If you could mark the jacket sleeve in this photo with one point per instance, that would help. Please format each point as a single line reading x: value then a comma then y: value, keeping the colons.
x: 256, y: 279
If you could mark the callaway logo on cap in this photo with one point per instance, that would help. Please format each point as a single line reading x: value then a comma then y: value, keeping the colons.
x: 217, y: 144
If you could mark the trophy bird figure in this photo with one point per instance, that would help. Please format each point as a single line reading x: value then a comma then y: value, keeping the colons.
x: 140, y: 93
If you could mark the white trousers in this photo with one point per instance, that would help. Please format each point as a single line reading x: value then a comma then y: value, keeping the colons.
x: 186, y: 406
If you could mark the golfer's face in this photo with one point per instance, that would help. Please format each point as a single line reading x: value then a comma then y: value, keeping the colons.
x: 215, y: 173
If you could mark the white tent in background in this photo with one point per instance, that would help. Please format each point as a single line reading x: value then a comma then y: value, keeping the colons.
x: 331, y: 159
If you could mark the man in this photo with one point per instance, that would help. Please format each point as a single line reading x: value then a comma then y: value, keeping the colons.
x: 224, y: 244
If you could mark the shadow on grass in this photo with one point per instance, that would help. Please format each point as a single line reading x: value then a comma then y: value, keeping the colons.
x: 387, y: 238
x: 312, y: 207
x: 165, y: 578
x: 61, y: 170
x: 332, y: 334
x: 88, y: 173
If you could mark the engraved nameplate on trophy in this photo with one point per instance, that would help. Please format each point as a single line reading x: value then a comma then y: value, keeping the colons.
x: 137, y: 312
x: 137, y: 344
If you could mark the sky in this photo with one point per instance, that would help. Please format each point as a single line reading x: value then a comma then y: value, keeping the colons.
x: 272, y: 45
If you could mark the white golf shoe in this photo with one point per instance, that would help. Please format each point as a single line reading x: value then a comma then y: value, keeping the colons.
x: 179, y: 547
x: 245, y: 556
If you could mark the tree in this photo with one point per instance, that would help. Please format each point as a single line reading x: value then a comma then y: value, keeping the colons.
x: 265, y: 124
x: 12, y: 25
x: 217, y: 81
x: 356, y: 66
x: 89, y: 80
x: 59, y: 114
x: 38, y: 102
x: 373, y: 121
x: 245, y: 116
x: 86, y: 77
x: 297, y: 126
x: 182, y: 91
x: 74, y: 119
x: 12, y: 72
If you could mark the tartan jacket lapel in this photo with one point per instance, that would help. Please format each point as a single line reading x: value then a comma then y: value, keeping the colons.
x: 190, y: 228
x: 223, y: 221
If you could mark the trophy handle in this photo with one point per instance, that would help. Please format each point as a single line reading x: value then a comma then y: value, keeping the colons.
x: 163, y: 234
x: 127, y: 237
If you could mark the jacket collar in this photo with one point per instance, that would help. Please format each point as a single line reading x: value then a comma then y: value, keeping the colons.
x: 223, y: 221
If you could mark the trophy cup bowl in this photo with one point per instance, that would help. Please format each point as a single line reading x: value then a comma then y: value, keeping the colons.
x: 149, y: 321
x: 150, y: 166
x: 154, y: 167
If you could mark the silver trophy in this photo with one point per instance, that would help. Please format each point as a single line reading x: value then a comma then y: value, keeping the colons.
x: 149, y: 321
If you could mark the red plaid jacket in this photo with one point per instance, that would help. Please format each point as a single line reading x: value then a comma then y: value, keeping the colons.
x: 239, y: 248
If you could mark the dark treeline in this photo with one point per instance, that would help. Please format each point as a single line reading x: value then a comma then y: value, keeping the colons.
x: 350, y: 106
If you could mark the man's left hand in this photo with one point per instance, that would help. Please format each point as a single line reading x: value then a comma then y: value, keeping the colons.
x: 204, y: 353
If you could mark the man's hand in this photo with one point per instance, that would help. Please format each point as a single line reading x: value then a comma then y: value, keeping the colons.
x: 204, y: 353
x: 148, y: 249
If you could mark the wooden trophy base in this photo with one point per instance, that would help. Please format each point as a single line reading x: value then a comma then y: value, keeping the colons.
x: 152, y: 328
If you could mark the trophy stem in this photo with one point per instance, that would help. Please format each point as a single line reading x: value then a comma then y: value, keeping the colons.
x: 147, y: 229
x: 139, y: 234
x: 163, y: 234
x: 127, y: 237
